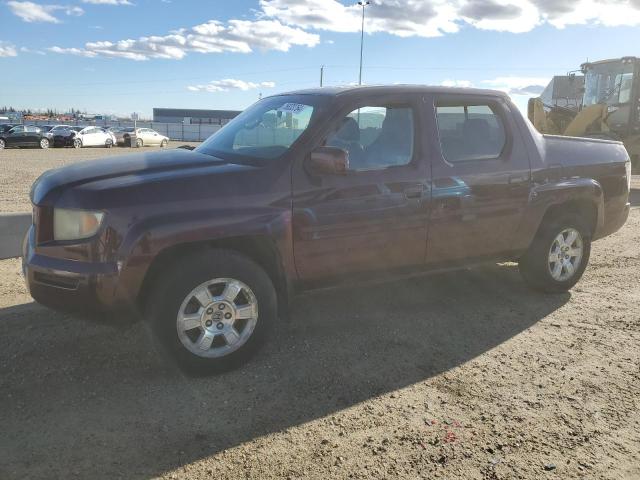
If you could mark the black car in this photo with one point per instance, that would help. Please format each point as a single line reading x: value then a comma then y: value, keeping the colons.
x: 66, y: 137
x: 5, y: 127
x: 24, y: 136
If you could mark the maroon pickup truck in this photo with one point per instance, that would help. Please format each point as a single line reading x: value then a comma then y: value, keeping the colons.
x: 311, y: 189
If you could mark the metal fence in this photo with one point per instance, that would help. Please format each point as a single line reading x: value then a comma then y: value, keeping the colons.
x: 175, y: 131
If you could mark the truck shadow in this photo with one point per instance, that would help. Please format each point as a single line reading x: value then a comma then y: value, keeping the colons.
x: 99, y: 402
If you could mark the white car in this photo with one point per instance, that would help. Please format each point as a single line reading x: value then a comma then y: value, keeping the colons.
x: 146, y: 137
x: 94, y: 137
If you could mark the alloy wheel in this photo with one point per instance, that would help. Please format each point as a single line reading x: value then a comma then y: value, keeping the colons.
x: 565, y: 254
x: 217, y: 318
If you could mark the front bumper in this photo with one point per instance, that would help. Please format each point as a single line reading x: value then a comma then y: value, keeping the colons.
x: 71, y: 285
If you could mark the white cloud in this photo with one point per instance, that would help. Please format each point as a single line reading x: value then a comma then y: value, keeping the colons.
x: 428, y: 19
x: 457, y: 83
x: 72, y: 51
x: 8, y: 50
x: 28, y: 50
x: 229, y: 84
x: 239, y: 36
x: 33, y: 13
x: 514, y: 86
x: 108, y: 2
x: 526, y: 86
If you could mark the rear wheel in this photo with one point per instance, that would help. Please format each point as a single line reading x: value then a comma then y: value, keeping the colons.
x: 212, y: 310
x: 2, y: 145
x: 108, y: 143
x: 44, y: 143
x: 558, y: 255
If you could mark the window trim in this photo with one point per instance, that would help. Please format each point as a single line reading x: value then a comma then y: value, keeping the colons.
x: 496, y: 106
x: 407, y: 102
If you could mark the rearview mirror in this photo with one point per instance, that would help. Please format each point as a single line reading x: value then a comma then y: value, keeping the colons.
x: 328, y: 161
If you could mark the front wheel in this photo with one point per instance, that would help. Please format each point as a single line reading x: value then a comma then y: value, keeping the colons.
x: 108, y: 143
x: 77, y: 143
x: 139, y: 143
x: 44, y: 143
x: 2, y: 145
x: 212, y: 310
x: 558, y: 256
x: 163, y: 144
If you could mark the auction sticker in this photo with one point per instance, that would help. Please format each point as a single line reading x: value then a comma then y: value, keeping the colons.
x: 292, y: 107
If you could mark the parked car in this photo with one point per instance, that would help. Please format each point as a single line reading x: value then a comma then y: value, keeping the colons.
x: 313, y: 189
x: 5, y: 127
x: 24, y: 136
x: 123, y: 135
x: 79, y: 137
x: 143, y: 137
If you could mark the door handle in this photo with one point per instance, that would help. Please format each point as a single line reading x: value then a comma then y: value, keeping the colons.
x: 518, y: 179
x: 414, y: 192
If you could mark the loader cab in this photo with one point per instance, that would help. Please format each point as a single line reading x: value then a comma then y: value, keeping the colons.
x: 616, y: 84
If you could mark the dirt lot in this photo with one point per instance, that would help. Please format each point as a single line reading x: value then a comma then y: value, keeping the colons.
x: 21, y: 167
x: 465, y: 375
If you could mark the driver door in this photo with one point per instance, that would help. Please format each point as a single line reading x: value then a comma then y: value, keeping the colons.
x: 16, y: 137
x: 374, y: 217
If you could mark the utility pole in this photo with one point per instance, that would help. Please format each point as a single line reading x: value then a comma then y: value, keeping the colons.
x: 363, y: 4
x: 321, y: 75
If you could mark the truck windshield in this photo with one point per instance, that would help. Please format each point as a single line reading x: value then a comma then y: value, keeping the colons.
x: 609, y: 83
x: 264, y: 131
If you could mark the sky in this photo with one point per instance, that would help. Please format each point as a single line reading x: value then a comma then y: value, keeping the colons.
x: 123, y: 56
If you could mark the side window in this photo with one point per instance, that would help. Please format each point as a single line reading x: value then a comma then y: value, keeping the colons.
x: 470, y: 132
x: 376, y: 137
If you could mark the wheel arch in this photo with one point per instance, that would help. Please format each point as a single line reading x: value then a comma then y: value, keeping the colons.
x: 259, y: 248
x: 580, y: 196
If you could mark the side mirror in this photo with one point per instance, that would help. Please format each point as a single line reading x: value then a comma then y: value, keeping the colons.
x: 328, y: 161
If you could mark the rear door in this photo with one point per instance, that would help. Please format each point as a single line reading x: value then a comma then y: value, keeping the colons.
x: 375, y: 216
x: 481, y: 179
x: 31, y: 136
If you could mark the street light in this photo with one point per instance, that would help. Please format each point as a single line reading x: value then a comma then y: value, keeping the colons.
x: 363, y: 5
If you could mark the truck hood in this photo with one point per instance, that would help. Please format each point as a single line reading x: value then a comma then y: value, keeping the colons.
x: 138, y: 165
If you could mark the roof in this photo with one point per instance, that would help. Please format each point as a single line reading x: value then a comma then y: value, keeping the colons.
x: 390, y: 89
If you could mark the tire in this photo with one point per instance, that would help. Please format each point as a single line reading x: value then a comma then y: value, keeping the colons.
x: 181, y: 321
x: 537, y: 266
x: 139, y: 143
x: 163, y: 144
x: 44, y: 143
x: 108, y: 143
x: 2, y: 145
x: 77, y: 143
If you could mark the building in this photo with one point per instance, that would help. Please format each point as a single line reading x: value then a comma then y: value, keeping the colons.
x: 193, y: 116
x: 564, y: 91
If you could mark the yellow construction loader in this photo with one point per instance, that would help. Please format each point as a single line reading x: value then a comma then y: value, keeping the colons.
x: 609, y: 106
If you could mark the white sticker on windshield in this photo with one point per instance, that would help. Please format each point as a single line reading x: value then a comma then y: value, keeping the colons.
x: 292, y: 107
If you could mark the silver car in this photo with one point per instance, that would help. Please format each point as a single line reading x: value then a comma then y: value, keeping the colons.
x: 143, y: 137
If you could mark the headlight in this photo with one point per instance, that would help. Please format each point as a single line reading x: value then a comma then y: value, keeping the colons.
x: 75, y: 224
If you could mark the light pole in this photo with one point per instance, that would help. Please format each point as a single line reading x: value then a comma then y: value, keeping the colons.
x: 363, y: 5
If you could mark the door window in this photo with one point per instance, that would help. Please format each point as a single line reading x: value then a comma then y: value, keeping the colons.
x: 375, y: 137
x: 470, y: 132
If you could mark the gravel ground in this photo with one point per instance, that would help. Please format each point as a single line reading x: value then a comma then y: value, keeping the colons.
x: 465, y: 375
x: 21, y: 167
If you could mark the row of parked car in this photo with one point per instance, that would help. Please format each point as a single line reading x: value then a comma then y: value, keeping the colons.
x: 46, y: 136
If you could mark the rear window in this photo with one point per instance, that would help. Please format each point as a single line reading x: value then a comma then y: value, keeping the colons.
x: 470, y: 132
